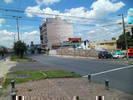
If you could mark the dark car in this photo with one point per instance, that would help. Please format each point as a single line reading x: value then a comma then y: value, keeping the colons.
x: 104, y: 54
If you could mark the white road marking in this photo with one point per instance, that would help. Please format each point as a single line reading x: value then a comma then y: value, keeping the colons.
x: 103, y: 72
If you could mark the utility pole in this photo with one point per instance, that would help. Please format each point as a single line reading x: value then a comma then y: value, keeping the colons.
x: 125, y: 36
x: 17, y: 21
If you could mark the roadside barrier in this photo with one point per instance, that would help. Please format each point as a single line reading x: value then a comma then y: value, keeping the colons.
x: 89, y: 78
x: 13, y: 95
x: 99, y: 97
x: 76, y: 98
x: 107, y: 84
x: 13, y: 91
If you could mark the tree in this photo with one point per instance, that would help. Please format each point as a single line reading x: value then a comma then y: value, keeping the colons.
x: 3, y: 51
x: 121, y: 41
x: 113, y: 38
x: 20, y: 48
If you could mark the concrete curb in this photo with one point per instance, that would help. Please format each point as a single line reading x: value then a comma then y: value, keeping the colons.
x: 24, y: 60
x: 65, y: 56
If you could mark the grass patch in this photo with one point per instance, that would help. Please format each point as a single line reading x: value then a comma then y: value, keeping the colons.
x: 37, y: 75
x: 19, y: 59
x: 1, y: 94
x: 59, y: 74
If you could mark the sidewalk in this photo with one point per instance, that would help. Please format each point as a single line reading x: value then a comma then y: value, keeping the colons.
x: 5, y: 66
x: 66, y: 89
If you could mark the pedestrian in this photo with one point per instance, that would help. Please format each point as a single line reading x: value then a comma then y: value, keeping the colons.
x: 2, y: 55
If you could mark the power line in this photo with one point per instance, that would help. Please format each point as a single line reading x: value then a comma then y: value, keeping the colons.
x: 42, y: 13
x: 25, y: 19
x: 20, y: 11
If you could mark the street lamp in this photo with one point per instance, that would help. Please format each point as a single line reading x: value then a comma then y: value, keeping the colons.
x: 123, y: 24
x: 17, y: 18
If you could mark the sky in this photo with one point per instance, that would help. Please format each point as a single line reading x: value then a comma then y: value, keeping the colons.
x: 94, y: 20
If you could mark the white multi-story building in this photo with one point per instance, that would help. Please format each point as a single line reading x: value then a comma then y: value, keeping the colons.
x: 129, y: 28
x: 55, y: 30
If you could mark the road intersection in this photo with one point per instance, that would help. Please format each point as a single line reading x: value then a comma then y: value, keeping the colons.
x: 119, y: 75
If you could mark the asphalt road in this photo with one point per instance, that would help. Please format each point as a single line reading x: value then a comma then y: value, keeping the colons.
x: 120, y: 79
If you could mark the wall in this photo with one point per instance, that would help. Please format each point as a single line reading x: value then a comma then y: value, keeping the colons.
x: 72, y: 52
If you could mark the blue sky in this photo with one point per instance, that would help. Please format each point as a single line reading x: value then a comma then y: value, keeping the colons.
x: 100, y: 23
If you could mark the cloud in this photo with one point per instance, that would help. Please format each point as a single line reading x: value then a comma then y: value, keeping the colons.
x: 27, y: 37
x: 2, y: 21
x: 36, y: 11
x: 8, y: 1
x: 119, y: 20
x: 46, y: 2
x: 25, y: 28
x: 7, y: 37
x: 104, y: 7
x: 5, y: 33
x: 31, y: 33
x: 78, y: 35
x: 98, y: 33
x: 31, y: 11
x: 99, y: 9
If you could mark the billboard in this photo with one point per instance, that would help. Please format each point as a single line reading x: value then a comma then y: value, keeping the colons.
x: 130, y: 16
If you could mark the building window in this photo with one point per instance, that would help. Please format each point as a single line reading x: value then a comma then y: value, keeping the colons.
x: 102, y: 43
x: 45, y: 29
x: 41, y: 37
x: 40, y: 28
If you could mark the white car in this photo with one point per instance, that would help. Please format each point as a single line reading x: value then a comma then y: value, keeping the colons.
x: 118, y: 56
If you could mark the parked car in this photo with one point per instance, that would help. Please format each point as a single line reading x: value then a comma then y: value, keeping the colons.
x: 118, y: 54
x: 115, y: 56
x: 104, y: 54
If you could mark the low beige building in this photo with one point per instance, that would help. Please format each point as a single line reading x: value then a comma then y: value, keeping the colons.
x: 108, y: 45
